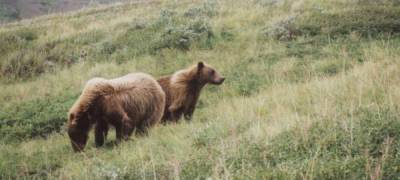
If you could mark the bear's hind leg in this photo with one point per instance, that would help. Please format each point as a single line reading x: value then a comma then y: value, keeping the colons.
x: 141, y: 129
x: 144, y: 125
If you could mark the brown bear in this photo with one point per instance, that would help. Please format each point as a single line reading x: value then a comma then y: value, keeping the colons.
x: 130, y: 103
x: 182, y: 90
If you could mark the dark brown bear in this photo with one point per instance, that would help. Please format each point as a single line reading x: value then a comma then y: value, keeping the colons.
x: 182, y: 90
x: 130, y: 103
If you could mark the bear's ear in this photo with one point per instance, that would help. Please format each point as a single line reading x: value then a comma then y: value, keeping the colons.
x: 200, y: 65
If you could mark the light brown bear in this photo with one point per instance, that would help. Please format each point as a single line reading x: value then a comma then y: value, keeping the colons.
x: 130, y: 103
x: 182, y: 90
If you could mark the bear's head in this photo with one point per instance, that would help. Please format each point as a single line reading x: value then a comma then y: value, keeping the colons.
x: 208, y: 75
x: 78, y: 127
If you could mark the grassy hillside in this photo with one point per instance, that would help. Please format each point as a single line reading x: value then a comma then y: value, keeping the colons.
x: 312, y: 90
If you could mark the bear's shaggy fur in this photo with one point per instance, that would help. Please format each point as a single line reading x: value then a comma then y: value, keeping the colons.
x: 132, y: 102
x: 182, y: 90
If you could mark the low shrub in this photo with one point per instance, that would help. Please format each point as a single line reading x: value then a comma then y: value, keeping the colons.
x: 283, y: 30
x: 36, y: 118
x: 207, y: 9
x: 184, y: 36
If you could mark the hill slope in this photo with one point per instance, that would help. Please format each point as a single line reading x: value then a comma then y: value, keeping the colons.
x: 312, y: 90
x: 12, y: 10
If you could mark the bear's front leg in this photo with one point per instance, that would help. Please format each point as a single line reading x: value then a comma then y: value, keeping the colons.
x: 118, y: 132
x: 101, y: 130
x: 190, y: 107
x: 106, y: 132
x: 127, y: 130
x: 188, y: 114
x: 176, y: 113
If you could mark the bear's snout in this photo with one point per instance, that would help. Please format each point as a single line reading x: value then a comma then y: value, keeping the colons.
x: 222, y: 80
x: 219, y: 81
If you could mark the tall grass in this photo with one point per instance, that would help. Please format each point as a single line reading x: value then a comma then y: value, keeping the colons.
x: 310, y: 93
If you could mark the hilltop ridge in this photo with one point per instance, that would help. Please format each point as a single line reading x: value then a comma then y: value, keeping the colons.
x: 13, y: 10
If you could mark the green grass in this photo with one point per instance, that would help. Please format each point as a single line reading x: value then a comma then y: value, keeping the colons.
x: 311, y: 91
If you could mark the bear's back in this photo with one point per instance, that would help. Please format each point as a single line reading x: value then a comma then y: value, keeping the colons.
x: 136, y: 94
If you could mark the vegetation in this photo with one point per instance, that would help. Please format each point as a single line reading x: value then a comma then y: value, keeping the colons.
x: 312, y: 90
x: 8, y: 14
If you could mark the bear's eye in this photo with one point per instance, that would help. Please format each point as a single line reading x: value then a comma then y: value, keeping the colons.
x: 212, y: 72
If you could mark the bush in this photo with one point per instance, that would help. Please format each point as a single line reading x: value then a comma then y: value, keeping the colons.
x: 184, y: 36
x: 282, y: 30
x: 208, y: 9
x: 169, y: 30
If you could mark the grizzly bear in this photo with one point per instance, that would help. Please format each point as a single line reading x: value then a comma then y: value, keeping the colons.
x: 182, y: 90
x: 130, y: 103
